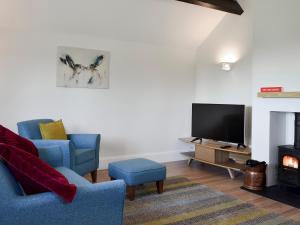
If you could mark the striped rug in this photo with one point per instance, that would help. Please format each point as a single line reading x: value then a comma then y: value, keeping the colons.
x: 185, y: 202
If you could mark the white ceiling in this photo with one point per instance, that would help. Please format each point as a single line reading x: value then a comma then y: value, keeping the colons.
x: 166, y: 22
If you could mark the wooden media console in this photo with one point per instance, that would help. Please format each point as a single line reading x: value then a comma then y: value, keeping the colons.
x: 210, y: 152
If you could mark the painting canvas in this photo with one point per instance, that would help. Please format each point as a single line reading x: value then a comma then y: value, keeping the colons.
x: 82, y: 68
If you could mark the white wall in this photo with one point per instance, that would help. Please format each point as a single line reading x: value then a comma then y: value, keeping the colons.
x: 275, y: 63
x: 142, y: 114
x: 230, y: 41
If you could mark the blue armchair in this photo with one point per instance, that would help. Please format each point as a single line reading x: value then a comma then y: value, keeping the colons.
x: 81, y: 151
x: 94, y: 204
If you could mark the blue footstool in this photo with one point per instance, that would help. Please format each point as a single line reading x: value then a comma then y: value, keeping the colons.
x: 136, y: 172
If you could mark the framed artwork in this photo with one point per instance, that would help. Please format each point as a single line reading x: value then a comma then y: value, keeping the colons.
x: 82, y: 68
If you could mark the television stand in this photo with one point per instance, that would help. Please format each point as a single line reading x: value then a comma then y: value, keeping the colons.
x: 196, y: 139
x: 241, y: 145
x: 210, y: 152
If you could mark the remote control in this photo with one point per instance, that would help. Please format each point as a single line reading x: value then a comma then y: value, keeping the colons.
x: 226, y: 146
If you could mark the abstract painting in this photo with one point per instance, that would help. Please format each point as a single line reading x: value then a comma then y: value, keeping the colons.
x: 82, y: 68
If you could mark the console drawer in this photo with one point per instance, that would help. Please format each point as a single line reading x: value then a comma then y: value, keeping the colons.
x: 210, y: 155
x: 204, y: 153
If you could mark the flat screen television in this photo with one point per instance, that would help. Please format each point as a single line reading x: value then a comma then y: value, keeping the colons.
x: 219, y: 122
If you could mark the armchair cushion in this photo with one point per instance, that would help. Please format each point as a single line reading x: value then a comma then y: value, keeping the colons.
x: 53, y: 131
x: 84, y: 155
x: 10, y: 138
x: 34, y: 175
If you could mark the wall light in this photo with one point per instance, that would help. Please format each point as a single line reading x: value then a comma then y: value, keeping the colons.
x: 226, y: 66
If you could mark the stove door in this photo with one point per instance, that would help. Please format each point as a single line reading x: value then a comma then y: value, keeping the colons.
x: 290, y: 162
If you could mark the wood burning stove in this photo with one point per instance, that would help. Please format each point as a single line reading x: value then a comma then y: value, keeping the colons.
x: 289, y: 160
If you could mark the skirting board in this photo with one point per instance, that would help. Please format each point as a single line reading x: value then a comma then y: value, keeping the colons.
x: 161, y: 157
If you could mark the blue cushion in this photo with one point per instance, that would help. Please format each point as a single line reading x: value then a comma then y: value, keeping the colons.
x: 84, y: 155
x: 137, y: 171
x: 73, y: 177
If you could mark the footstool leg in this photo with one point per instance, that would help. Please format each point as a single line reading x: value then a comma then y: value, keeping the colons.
x: 160, y: 186
x: 131, y: 192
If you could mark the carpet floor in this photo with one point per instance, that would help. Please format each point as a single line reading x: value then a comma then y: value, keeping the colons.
x: 185, y: 202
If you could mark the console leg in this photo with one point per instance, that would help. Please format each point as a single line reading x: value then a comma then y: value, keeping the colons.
x: 190, y: 161
x: 231, y: 173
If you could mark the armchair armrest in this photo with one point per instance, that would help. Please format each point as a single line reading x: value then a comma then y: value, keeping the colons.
x: 85, y: 140
x: 98, y: 204
x: 66, y: 147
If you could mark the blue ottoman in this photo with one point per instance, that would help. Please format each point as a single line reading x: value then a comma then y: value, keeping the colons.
x: 138, y: 171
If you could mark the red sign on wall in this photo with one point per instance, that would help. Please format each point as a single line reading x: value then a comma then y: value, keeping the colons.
x: 271, y: 89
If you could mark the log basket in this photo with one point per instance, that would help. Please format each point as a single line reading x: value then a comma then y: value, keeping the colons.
x: 255, y: 177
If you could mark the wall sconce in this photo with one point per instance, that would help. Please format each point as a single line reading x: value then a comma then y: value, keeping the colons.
x: 226, y: 66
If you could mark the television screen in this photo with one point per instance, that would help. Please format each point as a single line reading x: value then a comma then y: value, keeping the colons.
x: 218, y: 122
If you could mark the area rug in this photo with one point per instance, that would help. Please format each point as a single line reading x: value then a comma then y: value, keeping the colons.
x: 185, y: 202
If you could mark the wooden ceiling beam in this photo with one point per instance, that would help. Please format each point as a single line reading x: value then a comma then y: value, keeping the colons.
x: 230, y: 6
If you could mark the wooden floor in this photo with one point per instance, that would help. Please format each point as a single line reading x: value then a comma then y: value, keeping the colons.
x: 218, y: 179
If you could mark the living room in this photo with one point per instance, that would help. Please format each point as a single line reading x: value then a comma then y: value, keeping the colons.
x: 155, y: 58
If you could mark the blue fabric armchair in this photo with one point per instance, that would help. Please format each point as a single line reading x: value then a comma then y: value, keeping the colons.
x: 94, y: 204
x: 80, y: 151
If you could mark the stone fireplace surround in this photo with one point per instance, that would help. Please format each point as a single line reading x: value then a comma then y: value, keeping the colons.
x: 272, y: 126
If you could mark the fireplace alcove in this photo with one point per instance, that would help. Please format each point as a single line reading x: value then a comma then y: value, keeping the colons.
x: 284, y: 163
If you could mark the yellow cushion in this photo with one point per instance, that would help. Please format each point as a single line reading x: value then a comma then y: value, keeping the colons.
x: 53, y: 131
